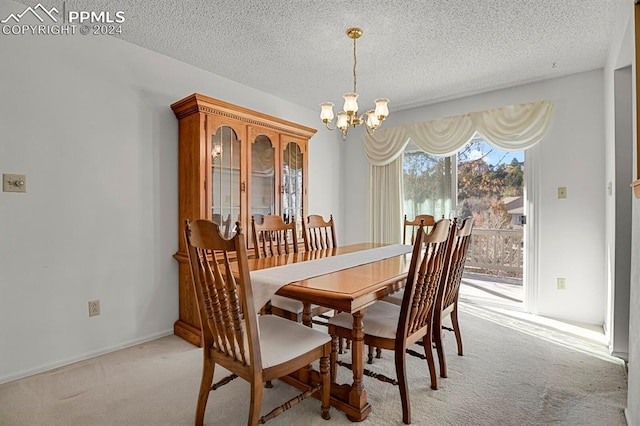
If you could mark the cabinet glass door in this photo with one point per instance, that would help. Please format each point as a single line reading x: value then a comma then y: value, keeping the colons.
x: 263, y: 178
x: 225, y: 178
x: 292, y: 184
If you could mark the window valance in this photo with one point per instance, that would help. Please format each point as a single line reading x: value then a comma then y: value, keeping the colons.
x: 511, y: 128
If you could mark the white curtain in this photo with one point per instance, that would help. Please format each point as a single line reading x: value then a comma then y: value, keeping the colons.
x: 387, y: 181
x: 515, y: 127
x: 511, y: 128
x: 386, y: 145
x: 442, y: 137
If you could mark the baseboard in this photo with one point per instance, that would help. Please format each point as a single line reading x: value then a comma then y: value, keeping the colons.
x: 622, y: 355
x: 83, y: 357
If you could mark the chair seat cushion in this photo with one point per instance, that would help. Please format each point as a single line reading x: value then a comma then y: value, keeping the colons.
x: 282, y: 340
x: 395, y: 298
x: 380, y: 320
x: 289, y: 305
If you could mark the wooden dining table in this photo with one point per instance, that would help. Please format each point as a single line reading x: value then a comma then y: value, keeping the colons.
x: 349, y: 290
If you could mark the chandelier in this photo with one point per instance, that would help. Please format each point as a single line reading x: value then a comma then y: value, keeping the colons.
x: 349, y: 116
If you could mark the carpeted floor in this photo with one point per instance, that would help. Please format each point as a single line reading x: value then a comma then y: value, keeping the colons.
x: 514, y: 372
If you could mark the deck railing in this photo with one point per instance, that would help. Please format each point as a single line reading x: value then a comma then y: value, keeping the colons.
x: 496, y: 250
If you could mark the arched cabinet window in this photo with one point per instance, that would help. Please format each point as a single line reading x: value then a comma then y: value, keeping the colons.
x: 262, y: 167
x: 294, y: 182
x: 226, y: 152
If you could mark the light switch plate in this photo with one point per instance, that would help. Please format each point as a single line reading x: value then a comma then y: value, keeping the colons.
x: 14, y: 183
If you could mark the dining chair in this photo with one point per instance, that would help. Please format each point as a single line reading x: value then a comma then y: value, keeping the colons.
x: 273, y: 237
x: 321, y: 235
x: 409, y: 230
x: 394, y: 327
x: 411, y: 226
x: 449, y: 289
x: 318, y: 234
x: 255, y: 348
x: 225, y: 224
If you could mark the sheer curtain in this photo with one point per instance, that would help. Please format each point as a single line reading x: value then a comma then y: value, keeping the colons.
x: 511, y: 128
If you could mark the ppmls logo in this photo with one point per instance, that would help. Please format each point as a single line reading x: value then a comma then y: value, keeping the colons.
x: 33, y: 11
x: 52, y: 22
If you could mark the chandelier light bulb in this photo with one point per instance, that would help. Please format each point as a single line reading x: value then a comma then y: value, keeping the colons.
x: 350, y: 103
x: 343, y: 121
x: 326, y: 114
x: 372, y: 120
x: 382, y: 108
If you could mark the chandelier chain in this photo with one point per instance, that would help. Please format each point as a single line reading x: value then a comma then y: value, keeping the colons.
x: 355, y: 61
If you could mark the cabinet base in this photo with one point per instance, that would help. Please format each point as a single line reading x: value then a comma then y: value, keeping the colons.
x: 187, y: 332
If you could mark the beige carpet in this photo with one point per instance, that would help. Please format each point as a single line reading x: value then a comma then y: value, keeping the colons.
x: 514, y: 372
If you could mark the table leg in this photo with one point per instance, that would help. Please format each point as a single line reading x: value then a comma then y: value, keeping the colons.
x: 358, y: 395
x: 348, y: 398
x: 306, y: 314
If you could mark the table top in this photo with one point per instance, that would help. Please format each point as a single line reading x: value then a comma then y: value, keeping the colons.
x: 347, y: 290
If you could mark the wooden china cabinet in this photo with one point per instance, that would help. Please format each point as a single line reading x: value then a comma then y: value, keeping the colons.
x: 234, y: 163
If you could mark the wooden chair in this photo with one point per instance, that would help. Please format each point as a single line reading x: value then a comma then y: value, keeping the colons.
x: 225, y: 224
x: 447, y: 300
x: 411, y: 226
x: 318, y: 234
x: 396, y: 328
x: 409, y: 230
x: 257, y: 349
x: 273, y: 237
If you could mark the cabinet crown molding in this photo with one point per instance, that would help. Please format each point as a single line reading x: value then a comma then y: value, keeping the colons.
x: 197, y: 103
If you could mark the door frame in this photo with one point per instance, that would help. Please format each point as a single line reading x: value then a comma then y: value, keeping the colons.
x: 531, y: 235
x: 531, y: 230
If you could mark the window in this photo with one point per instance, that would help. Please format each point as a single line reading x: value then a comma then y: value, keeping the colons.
x: 490, y: 185
x: 427, y: 183
x: 479, y: 181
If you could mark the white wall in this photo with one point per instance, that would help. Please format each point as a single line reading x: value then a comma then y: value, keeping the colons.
x: 87, y: 119
x: 571, y: 155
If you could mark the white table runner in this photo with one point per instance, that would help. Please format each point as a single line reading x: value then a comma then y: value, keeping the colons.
x: 266, y: 282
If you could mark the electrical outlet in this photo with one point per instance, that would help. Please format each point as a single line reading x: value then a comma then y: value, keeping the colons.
x: 562, y: 283
x: 562, y: 192
x: 94, y: 308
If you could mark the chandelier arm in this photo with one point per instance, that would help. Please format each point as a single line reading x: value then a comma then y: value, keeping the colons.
x: 327, y: 126
x: 369, y: 130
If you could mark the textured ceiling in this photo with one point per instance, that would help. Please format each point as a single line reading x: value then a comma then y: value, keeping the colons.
x: 412, y: 52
